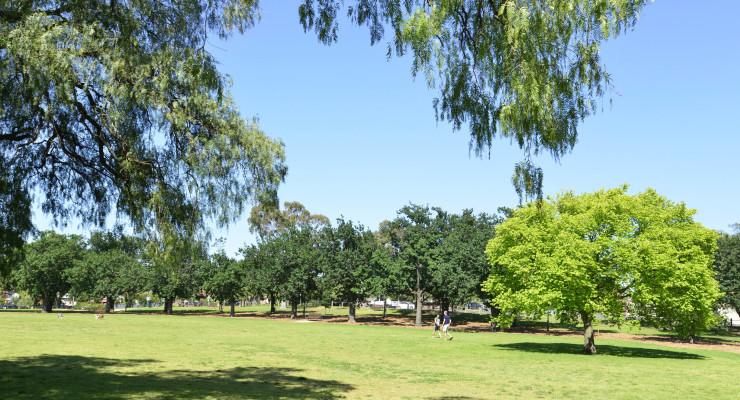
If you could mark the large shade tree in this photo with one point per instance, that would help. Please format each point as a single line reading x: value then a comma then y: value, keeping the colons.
x: 348, y: 262
x: 225, y: 279
x: 526, y: 71
x: 15, y: 220
x: 298, y: 257
x: 173, y: 268
x: 110, y: 267
x: 602, y: 252
x: 414, y: 235
x: 45, y: 272
x: 120, y: 104
x: 727, y: 269
x: 460, y: 264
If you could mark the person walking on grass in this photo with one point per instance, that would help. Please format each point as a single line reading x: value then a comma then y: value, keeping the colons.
x: 446, y: 328
x: 436, y: 327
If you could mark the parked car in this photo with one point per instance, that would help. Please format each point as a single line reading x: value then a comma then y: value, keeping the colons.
x: 379, y: 302
x: 405, y: 305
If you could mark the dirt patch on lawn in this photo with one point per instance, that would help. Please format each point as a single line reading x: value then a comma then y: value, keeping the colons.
x: 470, y: 326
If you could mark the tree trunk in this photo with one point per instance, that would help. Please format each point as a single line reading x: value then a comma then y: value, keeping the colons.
x: 168, y: 305
x: 108, y: 304
x: 220, y: 307
x: 231, y: 311
x: 351, y: 312
x: 294, y: 309
x: 272, y: 303
x: 385, y: 309
x: 588, y: 334
x: 47, y: 305
x: 495, y: 312
x: 444, y: 306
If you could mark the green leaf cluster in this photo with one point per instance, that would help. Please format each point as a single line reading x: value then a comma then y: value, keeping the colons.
x: 727, y: 269
x: 608, y: 253
x: 119, y: 103
x: 526, y: 71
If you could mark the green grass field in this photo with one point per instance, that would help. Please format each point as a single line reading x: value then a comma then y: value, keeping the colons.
x: 199, y: 357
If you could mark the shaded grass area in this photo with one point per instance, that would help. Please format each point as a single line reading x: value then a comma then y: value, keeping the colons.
x: 606, y: 350
x: 75, y: 377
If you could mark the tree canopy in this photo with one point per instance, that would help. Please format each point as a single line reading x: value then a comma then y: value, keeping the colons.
x: 630, y: 258
x: 527, y: 71
x: 727, y: 268
x: 45, y: 272
x: 119, y: 104
x: 348, y: 262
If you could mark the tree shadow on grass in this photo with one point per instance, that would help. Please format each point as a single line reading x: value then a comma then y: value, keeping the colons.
x: 606, y: 350
x: 75, y: 377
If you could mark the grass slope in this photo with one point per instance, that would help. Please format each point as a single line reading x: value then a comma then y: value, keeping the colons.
x: 193, y: 357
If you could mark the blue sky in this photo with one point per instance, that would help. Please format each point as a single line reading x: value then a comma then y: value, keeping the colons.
x: 362, y: 141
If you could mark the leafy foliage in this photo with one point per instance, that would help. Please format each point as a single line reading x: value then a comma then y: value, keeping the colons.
x: 44, y: 274
x: 460, y: 262
x: 269, y: 221
x: 525, y: 71
x: 15, y: 219
x: 110, y: 267
x: 727, y: 270
x: 349, y: 262
x: 414, y: 235
x: 224, y: 279
x: 601, y: 253
x: 119, y: 103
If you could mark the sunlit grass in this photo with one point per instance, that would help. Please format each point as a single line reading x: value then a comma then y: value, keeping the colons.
x: 194, y: 357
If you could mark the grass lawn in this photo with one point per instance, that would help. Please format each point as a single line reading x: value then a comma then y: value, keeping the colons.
x: 195, y: 357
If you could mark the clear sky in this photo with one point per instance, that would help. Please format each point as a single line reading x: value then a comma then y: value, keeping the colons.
x: 362, y: 140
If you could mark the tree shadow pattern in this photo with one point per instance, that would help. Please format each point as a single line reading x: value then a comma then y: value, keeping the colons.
x: 607, y: 350
x: 76, y: 377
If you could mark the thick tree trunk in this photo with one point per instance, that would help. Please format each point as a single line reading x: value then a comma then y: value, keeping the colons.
x: 351, y: 312
x: 272, y: 303
x: 588, y: 335
x: 168, y: 306
x: 47, y: 305
x: 385, y: 309
x: 108, y: 304
x: 231, y: 311
x: 294, y: 309
x: 220, y: 307
x: 444, y: 306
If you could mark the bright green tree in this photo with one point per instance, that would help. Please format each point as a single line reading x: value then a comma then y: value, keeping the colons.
x: 526, y: 71
x: 727, y: 269
x: 120, y: 103
x: 602, y: 253
x: 44, y: 274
